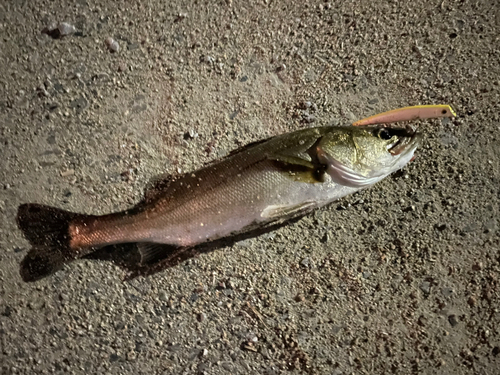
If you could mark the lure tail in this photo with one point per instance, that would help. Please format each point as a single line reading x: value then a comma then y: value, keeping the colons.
x: 47, y: 229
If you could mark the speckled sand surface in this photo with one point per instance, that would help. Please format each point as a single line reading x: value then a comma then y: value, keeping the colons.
x: 402, y: 278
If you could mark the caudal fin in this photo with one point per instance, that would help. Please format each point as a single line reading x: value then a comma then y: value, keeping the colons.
x: 46, y: 228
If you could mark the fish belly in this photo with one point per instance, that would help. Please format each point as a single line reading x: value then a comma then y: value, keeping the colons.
x: 260, y: 197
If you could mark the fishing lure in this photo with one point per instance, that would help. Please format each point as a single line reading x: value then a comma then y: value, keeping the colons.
x: 418, y: 112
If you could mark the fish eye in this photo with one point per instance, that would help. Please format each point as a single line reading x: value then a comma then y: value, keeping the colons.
x: 384, y: 134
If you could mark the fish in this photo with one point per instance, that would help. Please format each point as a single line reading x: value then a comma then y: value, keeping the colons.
x: 418, y: 112
x: 264, y: 183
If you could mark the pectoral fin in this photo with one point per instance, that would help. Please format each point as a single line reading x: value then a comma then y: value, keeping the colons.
x: 298, y: 160
x: 297, y: 148
x: 282, y: 211
x: 300, y: 166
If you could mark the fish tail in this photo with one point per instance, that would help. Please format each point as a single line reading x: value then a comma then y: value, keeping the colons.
x: 47, y: 230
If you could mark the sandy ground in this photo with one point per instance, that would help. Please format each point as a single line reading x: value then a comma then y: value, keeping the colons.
x: 402, y: 278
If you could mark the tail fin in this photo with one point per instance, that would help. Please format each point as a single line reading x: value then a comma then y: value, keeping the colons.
x: 46, y: 228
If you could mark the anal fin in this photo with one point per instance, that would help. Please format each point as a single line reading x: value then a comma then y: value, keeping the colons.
x: 151, y: 252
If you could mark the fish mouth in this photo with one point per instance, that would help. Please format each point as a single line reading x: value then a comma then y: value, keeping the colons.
x: 408, y: 139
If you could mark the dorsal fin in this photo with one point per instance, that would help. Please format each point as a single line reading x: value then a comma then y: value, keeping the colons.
x: 157, y: 186
x: 246, y: 147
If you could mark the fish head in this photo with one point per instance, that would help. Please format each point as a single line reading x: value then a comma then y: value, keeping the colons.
x: 363, y: 155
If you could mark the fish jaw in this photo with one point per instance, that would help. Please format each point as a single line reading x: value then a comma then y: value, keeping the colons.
x: 368, y: 160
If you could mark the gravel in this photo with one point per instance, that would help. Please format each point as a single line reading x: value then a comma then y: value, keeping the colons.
x: 395, y: 286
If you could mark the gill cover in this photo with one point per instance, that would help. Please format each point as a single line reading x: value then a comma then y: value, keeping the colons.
x: 360, y: 157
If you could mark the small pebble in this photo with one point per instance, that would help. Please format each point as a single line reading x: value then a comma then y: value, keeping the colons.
x: 299, y: 298
x: 453, y: 320
x: 472, y: 301
x: 112, y: 45
x: 131, y: 355
x: 308, y: 118
x: 190, y: 134
x: 66, y: 29
x: 60, y: 30
x: 425, y: 287
x: 209, y: 59
x: 42, y: 92
x: 180, y: 17
x: 447, y: 292
x: 163, y: 296
x: 67, y: 173
x: 201, y: 317
x: 122, y: 67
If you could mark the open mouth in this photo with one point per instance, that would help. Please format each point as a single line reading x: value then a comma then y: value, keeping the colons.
x: 406, y: 139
